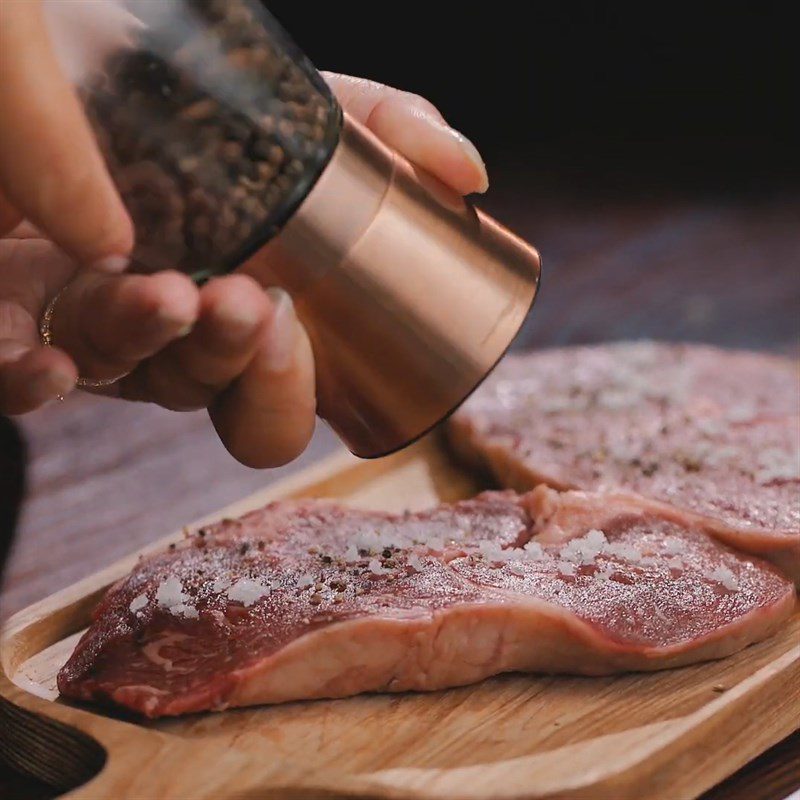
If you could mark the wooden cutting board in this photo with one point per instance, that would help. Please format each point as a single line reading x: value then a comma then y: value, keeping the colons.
x: 665, y: 735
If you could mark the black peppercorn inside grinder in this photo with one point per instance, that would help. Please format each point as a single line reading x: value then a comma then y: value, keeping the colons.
x: 231, y: 153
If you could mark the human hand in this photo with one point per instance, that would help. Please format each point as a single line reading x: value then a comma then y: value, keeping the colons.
x: 228, y: 347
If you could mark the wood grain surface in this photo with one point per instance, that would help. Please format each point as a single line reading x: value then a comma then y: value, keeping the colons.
x: 668, y: 734
x: 106, y: 478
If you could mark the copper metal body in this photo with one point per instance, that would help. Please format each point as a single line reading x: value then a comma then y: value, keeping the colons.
x: 410, y: 295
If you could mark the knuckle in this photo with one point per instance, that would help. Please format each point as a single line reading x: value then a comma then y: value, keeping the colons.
x: 418, y: 101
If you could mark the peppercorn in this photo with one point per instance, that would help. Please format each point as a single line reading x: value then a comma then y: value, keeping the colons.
x: 201, y: 175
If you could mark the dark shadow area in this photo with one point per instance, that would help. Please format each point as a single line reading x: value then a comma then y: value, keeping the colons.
x: 634, y: 99
x: 12, y: 485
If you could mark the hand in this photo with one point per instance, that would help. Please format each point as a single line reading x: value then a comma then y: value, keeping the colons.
x: 229, y: 347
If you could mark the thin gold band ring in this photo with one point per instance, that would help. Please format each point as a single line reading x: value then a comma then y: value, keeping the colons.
x: 46, y: 335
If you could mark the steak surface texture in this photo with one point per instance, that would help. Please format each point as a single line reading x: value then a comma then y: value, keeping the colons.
x: 714, y: 433
x: 311, y: 599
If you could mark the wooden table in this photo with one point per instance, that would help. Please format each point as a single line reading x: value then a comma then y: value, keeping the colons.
x: 104, y: 478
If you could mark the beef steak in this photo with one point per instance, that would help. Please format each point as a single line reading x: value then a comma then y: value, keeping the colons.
x: 711, y: 432
x: 310, y: 599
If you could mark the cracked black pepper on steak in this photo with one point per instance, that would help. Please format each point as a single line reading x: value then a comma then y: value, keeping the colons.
x: 214, y: 125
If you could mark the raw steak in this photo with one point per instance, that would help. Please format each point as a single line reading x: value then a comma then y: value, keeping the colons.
x: 309, y: 599
x: 714, y: 433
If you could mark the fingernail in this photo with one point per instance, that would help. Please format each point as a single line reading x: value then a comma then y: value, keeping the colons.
x: 238, y: 320
x: 282, y: 331
x: 471, y: 152
x: 113, y: 264
x: 49, y: 385
x: 62, y: 384
x: 167, y: 318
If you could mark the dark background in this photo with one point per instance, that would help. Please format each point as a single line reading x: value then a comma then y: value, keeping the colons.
x: 610, y: 96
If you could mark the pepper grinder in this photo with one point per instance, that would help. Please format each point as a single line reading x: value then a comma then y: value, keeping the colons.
x: 231, y: 153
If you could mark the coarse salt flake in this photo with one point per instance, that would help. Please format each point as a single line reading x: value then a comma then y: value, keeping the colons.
x: 351, y: 554
x: 624, y: 551
x: 534, y: 550
x: 138, y: 603
x: 415, y: 562
x: 596, y: 538
x: 185, y: 610
x: 247, y: 591
x: 170, y: 593
x: 492, y: 551
x: 726, y: 577
x: 585, y: 549
x: 368, y: 540
x: 375, y: 567
x: 674, y: 546
x: 776, y: 464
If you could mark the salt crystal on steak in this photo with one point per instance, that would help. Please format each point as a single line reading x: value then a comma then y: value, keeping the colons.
x: 170, y: 593
x: 138, y: 603
x: 185, y: 610
x: 247, y: 591
x: 726, y: 577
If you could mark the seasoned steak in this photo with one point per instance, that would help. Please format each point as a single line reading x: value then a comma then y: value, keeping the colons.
x: 310, y: 599
x: 711, y: 432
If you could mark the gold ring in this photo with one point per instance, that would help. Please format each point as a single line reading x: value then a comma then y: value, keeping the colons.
x: 46, y: 335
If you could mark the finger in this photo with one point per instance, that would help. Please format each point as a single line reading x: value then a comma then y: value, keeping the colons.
x: 32, y: 376
x: 234, y: 312
x: 359, y: 96
x: 266, y: 418
x: 109, y: 323
x: 51, y: 170
x: 415, y: 128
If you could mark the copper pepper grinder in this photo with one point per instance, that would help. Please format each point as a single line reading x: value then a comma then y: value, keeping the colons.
x: 231, y: 153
